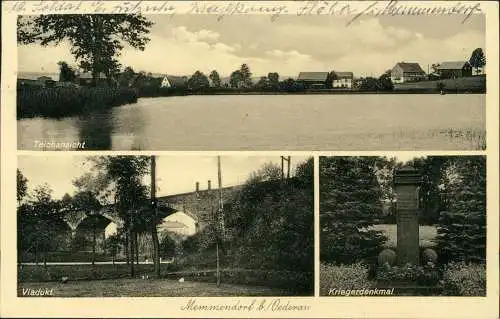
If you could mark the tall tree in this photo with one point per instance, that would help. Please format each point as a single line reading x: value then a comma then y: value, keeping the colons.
x: 96, y: 39
x: 124, y: 174
x: 246, y: 75
x: 263, y: 83
x: 66, y: 73
x: 22, y: 186
x: 127, y: 77
x: 214, y: 76
x: 236, y: 79
x: 198, y: 82
x: 47, y: 216
x: 462, y: 226
x: 350, y: 202
x: 274, y: 80
x: 477, y: 59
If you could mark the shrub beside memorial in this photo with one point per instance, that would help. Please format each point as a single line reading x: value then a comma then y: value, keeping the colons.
x: 346, y: 277
x: 461, y: 279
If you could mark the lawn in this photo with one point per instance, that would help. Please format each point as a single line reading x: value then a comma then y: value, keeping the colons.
x: 427, y: 234
x: 147, y: 288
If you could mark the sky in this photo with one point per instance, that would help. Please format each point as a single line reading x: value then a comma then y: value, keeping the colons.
x: 174, y: 174
x: 182, y: 44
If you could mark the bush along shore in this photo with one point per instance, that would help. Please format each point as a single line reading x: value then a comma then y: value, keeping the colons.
x: 59, y: 102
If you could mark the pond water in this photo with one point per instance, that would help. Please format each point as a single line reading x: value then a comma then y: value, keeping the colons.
x: 274, y: 122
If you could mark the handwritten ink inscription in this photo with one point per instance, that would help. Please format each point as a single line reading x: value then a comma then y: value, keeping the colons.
x: 273, y: 9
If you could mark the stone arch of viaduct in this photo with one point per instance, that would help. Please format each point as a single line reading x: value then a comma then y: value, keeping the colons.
x: 199, y: 205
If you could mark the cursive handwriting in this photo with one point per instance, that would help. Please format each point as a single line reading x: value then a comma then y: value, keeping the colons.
x: 274, y: 9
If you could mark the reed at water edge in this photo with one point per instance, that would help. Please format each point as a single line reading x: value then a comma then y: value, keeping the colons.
x: 59, y: 102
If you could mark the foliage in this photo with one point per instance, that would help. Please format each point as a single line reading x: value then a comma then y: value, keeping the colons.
x: 124, y: 175
x: 112, y: 244
x: 354, y: 276
x: 383, y: 83
x: 350, y: 202
x: 477, y: 59
x: 22, y: 186
x: 290, y: 85
x: 236, y: 79
x: 198, y: 82
x: 267, y: 172
x: 96, y: 39
x: 272, y: 223
x: 426, y: 275
x: 68, y: 101
x: 246, y: 76
x: 40, y: 222
x: 167, y: 247
x: 262, y: 84
x: 214, y: 76
x: 66, y: 73
x: 462, y: 226
x: 462, y: 279
x: 273, y: 80
x: 127, y: 77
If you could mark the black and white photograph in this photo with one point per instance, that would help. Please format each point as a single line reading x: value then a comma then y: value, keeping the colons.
x: 159, y: 226
x: 298, y: 82
x: 403, y: 226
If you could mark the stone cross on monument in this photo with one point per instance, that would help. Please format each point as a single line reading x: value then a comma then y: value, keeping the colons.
x: 406, y: 182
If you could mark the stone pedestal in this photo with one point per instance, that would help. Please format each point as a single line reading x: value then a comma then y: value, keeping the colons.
x: 406, y: 181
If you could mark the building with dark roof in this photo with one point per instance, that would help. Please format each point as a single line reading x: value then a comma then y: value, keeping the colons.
x: 342, y: 80
x: 171, y: 81
x: 407, y: 72
x: 85, y: 79
x: 454, y: 69
x: 316, y: 80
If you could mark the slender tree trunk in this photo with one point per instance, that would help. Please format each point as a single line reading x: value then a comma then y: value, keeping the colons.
x: 131, y: 244
x: 45, y: 254
x: 93, y: 244
x: 127, y: 252
x: 154, y: 232
x: 136, y: 248
x: 36, y: 251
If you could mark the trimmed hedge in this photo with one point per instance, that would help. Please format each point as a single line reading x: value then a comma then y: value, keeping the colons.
x: 461, y: 279
x: 353, y: 276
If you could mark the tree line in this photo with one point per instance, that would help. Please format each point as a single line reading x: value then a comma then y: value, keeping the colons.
x: 112, y: 180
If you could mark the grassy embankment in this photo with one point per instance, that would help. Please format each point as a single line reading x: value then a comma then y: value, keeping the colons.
x: 472, y: 84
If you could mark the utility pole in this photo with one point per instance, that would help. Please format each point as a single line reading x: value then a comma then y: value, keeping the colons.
x: 283, y: 160
x: 154, y: 206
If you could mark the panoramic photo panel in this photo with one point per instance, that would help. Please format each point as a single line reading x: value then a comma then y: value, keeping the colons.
x: 403, y: 226
x: 160, y: 226
x: 297, y: 82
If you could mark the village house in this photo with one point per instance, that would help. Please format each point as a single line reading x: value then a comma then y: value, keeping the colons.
x: 171, y: 81
x: 314, y: 80
x: 407, y: 72
x: 454, y: 69
x: 85, y: 79
x: 342, y: 80
x: 35, y: 80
